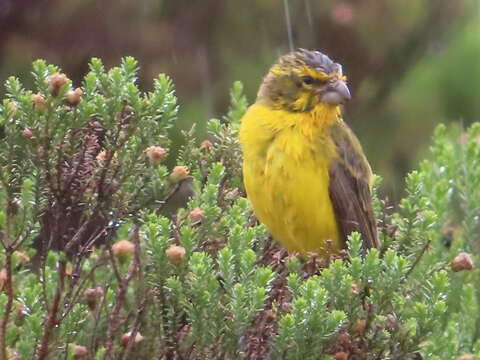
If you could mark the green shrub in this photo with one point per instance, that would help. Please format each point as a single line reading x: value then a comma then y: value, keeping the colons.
x: 109, y: 254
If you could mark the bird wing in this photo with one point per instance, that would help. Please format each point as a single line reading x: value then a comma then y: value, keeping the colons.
x: 349, y: 187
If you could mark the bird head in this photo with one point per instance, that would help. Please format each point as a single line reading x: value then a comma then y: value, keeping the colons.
x: 303, y: 79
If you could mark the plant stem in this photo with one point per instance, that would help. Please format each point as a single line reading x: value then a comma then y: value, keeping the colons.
x: 8, y: 306
x: 123, y: 283
x: 51, y: 320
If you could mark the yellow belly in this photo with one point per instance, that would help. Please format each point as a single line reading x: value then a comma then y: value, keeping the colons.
x: 286, y: 179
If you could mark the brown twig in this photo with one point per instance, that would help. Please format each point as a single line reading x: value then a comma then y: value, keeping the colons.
x: 51, y: 321
x: 113, y: 320
x: 111, y: 154
x: 76, y: 288
x: 136, y: 328
x: 78, y: 235
x: 417, y: 260
x: 8, y: 306
x: 9, y: 248
x: 96, y: 317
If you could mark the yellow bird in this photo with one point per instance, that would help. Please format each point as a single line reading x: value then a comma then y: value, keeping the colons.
x: 304, y: 170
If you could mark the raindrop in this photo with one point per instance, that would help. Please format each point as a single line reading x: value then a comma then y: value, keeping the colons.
x: 289, y: 24
x: 308, y: 10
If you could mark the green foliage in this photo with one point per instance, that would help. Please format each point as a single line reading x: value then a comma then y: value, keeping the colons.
x: 106, y: 248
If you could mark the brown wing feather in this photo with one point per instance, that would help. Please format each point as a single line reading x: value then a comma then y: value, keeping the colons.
x: 349, y: 188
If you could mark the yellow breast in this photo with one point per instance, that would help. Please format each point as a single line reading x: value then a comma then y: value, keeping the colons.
x: 286, y: 161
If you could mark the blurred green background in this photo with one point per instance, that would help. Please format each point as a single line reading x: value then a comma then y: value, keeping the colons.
x: 411, y: 63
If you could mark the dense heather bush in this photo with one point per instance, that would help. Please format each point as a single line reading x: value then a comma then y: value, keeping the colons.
x: 107, y: 254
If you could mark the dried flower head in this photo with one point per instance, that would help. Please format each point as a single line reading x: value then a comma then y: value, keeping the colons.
x: 56, y: 81
x: 467, y: 356
x: 125, y: 339
x: 175, y: 253
x: 79, y: 352
x: 38, y: 101
x: 102, y: 155
x: 73, y: 96
x: 21, y: 257
x: 205, y: 145
x: 20, y: 313
x: 123, y: 248
x: 93, y: 296
x: 27, y: 133
x: 179, y: 173
x: 38, y: 98
x: 196, y: 214
x: 355, y: 287
x: 19, y: 309
x: 360, y: 326
x: 341, y: 355
x: 462, y: 261
x: 155, y: 154
x: 343, y: 338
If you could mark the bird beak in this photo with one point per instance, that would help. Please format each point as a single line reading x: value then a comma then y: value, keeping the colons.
x: 336, y: 93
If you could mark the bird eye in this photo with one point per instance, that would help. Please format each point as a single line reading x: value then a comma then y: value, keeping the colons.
x: 308, y: 80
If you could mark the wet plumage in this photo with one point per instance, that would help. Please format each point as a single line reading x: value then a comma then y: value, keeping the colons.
x: 304, y: 170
